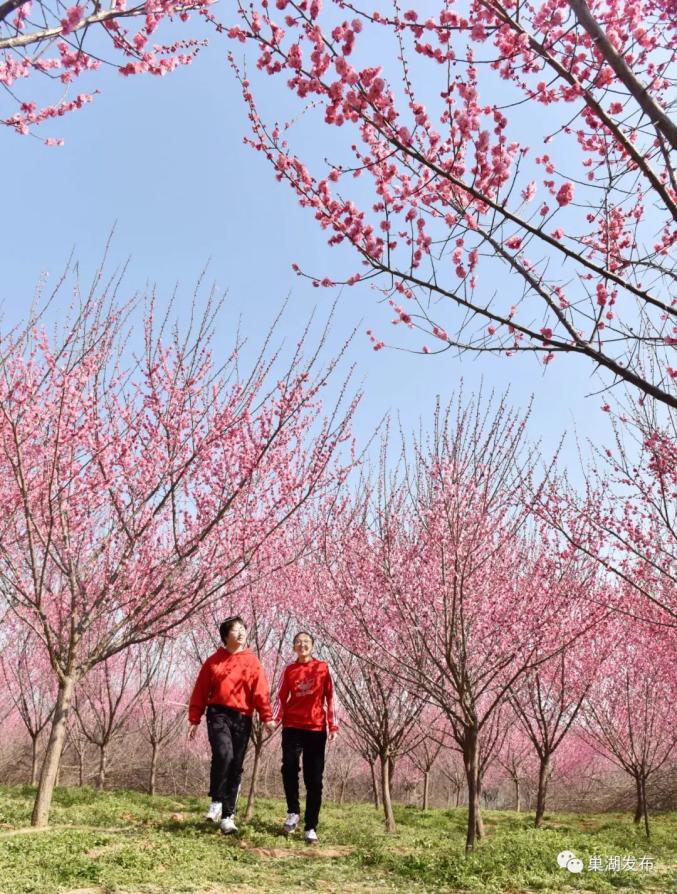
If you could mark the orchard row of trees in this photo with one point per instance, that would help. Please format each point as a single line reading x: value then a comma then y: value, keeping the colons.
x: 566, y: 725
x: 467, y: 596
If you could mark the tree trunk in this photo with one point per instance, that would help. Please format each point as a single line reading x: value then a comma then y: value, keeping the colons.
x: 479, y: 824
x: 470, y: 749
x: 645, y: 809
x: 101, y: 776
x: 342, y: 791
x: 81, y: 766
x: 543, y: 774
x: 639, y: 806
x: 374, y: 786
x: 426, y: 787
x: 518, y: 803
x: 50, y: 764
x: 385, y: 794
x: 34, y: 760
x: 153, y: 768
x: 266, y: 787
x: 249, y: 812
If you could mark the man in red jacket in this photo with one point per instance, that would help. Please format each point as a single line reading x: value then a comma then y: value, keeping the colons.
x: 231, y: 684
x: 305, y: 705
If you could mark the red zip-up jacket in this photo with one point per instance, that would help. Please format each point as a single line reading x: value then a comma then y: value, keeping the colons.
x: 304, y: 689
x: 232, y: 679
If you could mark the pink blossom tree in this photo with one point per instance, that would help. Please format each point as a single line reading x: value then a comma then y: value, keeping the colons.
x: 516, y: 759
x: 451, y: 767
x: 379, y: 711
x: 547, y: 701
x: 627, y: 517
x: 572, y: 209
x: 470, y: 595
x: 428, y: 749
x: 105, y: 699
x: 630, y: 712
x: 25, y: 672
x: 135, y: 494
x: 161, y: 704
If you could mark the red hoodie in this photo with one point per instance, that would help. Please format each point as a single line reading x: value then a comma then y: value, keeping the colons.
x: 304, y: 689
x: 232, y: 679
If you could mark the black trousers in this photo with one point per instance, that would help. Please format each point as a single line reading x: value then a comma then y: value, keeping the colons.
x: 228, y: 732
x: 309, y: 744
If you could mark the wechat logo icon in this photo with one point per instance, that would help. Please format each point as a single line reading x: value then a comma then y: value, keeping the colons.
x: 569, y: 860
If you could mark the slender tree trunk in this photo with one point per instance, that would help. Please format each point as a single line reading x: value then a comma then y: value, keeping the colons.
x: 266, y: 770
x: 385, y: 794
x: 153, y: 768
x: 81, y: 766
x: 518, y: 803
x: 458, y: 796
x: 249, y: 812
x: 101, y: 776
x: 639, y: 806
x: 479, y: 824
x: 543, y: 774
x: 645, y: 808
x: 472, y: 776
x: 374, y: 786
x: 34, y: 760
x: 426, y: 787
x: 342, y: 791
x: 50, y: 764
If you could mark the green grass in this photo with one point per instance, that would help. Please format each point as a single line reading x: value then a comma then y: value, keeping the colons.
x: 128, y: 842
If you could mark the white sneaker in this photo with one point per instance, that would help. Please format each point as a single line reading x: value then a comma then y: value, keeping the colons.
x: 310, y: 836
x: 214, y: 812
x: 291, y: 823
x: 227, y: 825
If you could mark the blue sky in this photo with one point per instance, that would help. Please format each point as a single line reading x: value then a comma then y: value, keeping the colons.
x: 163, y: 161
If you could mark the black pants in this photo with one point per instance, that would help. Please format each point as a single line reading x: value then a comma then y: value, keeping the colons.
x: 228, y: 732
x: 310, y: 744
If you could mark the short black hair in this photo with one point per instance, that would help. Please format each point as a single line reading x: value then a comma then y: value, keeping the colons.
x: 228, y: 624
x: 303, y: 633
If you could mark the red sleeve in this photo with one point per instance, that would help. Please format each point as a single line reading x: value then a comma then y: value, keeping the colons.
x: 198, y: 700
x: 329, y: 696
x: 261, y: 694
x: 282, y: 696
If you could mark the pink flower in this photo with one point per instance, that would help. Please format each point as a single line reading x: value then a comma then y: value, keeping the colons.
x: 546, y: 332
x: 529, y: 192
x: 74, y: 15
x: 565, y: 193
x: 514, y: 242
x: 404, y: 136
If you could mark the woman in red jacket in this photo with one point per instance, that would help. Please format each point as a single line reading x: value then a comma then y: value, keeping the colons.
x: 305, y: 705
x: 231, y: 684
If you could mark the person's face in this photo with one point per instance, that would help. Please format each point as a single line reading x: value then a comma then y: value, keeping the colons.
x: 303, y: 645
x: 237, y: 636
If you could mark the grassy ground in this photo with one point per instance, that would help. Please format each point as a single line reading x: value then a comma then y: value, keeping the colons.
x: 128, y: 842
